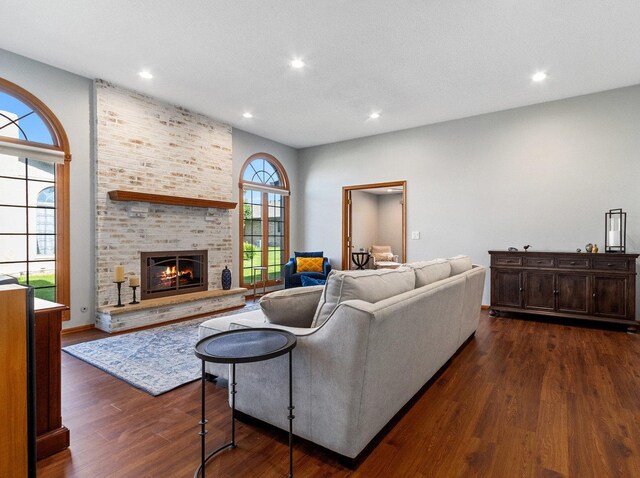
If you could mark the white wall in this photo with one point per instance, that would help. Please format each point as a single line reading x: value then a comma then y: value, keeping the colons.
x: 69, y: 97
x: 542, y: 175
x: 390, y: 222
x: 244, y: 145
x: 364, y: 220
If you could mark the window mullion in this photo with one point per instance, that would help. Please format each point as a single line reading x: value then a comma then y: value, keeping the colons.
x: 265, y: 231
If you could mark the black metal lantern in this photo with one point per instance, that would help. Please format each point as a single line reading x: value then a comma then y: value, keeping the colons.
x: 615, y: 230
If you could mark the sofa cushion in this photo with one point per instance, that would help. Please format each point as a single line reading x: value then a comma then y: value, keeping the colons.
x: 309, y: 264
x: 308, y: 281
x: 460, y: 264
x: 428, y: 272
x: 291, y: 307
x: 371, y: 285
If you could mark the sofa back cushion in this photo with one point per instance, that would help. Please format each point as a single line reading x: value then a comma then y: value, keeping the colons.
x: 368, y: 285
x: 309, y: 254
x: 291, y: 307
x: 428, y: 272
x: 460, y: 264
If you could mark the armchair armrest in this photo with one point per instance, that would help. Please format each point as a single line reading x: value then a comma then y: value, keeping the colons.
x: 290, y: 267
x: 326, y: 266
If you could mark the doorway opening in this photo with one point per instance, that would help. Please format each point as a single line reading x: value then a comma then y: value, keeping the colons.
x: 373, y: 215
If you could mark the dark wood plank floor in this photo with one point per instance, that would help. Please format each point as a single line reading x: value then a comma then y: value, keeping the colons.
x: 523, y: 399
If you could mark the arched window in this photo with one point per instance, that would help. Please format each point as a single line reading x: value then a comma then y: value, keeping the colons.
x: 34, y: 184
x: 264, y: 226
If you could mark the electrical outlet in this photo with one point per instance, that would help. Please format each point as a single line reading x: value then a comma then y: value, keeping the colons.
x: 415, y: 235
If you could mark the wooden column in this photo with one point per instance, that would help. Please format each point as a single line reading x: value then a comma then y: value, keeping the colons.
x: 52, y: 435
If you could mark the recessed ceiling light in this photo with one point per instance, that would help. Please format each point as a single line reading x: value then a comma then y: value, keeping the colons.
x: 297, y: 63
x: 374, y: 115
x: 145, y: 74
x: 539, y: 76
x: 247, y: 115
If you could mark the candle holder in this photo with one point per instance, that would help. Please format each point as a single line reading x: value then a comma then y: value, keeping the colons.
x: 134, y: 301
x: 119, y: 283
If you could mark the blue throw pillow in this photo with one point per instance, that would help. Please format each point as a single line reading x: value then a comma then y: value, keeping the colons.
x: 309, y: 254
x: 309, y: 281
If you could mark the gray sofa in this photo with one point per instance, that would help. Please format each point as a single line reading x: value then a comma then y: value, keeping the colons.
x: 372, y: 342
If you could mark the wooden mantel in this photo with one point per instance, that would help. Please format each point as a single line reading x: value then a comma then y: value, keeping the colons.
x: 119, y: 195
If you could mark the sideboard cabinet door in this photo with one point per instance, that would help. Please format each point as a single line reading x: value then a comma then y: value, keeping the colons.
x: 574, y: 293
x: 507, y: 290
x: 610, y: 296
x: 539, y: 290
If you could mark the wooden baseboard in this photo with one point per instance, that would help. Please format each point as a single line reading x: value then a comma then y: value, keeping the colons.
x: 485, y: 307
x: 80, y: 328
x: 52, y: 442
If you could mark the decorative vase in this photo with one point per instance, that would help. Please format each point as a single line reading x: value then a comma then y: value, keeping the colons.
x: 595, y: 248
x: 588, y: 247
x: 226, y: 278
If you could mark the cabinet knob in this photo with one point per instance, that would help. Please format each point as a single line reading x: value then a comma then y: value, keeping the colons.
x: 509, y: 260
x: 573, y: 263
x: 539, y: 262
x: 521, y: 289
x: 594, y: 295
x: 610, y: 264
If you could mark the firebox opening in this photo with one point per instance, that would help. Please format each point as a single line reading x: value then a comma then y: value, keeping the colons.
x: 166, y: 273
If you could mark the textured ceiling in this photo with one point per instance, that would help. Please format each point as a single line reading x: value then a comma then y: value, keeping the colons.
x: 416, y: 62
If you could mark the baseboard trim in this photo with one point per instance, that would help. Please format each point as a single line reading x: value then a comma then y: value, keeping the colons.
x: 485, y: 307
x: 80, y: 328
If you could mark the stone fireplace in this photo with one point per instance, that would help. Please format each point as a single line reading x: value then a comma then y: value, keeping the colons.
x: 166, y: 273
x: 163, y: 181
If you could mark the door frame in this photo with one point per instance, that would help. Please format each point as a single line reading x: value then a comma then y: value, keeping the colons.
x: 346, y: 217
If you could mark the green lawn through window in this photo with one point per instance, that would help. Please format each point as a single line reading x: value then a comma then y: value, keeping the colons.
x: 42, y: 280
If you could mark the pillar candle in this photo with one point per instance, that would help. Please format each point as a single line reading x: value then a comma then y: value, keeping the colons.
x: 134, y: 281
x: 614, y: 238
x: 118, y: 274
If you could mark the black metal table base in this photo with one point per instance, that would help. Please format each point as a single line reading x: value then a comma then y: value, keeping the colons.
x: 200, y: 471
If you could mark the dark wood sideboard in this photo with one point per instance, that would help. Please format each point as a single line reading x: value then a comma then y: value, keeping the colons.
x: 599, y: 287
x: 52, y: 435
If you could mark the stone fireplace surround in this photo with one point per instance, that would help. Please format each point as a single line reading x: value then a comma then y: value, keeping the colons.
x: 147, y: 146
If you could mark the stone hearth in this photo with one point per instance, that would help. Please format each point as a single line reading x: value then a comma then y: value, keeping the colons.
x: 165, y: 309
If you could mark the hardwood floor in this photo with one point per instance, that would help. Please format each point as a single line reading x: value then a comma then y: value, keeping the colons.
x: 523, y: 399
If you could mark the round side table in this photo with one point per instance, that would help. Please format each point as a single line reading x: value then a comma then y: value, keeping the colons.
x: 242, y: 346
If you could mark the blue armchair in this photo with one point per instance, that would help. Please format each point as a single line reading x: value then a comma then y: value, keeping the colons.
x: 293, y: 278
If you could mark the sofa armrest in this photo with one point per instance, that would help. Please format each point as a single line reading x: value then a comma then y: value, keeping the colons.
x: 297, y: 331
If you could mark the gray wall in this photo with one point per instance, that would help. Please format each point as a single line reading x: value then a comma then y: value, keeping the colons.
x: 69, y: 97
x: 244, y: 145
x: 364, y: 220
x: 542, y: 175
x: 390, y: 222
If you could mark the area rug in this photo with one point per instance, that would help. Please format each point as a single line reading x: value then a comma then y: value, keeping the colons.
x: 154, y: 360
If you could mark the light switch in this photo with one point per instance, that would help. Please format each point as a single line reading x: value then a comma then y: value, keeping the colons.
x: 415, y: 234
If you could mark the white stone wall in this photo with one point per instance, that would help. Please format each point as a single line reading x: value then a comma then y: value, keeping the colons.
x: 145, y: 145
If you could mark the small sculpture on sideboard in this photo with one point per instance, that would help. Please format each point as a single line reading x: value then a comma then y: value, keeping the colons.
x: 513, y: 249
x: 578, y: 250
x: 526, y: 247
x: 588, y: 247
x: 595, y: 248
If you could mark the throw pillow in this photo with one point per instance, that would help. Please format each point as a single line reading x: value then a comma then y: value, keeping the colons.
x: 371, y: 285
x: 460, y: 264
x: 310, y: 281
x: 309, y: 264
x: 291, y: 307
x: 383, y: 256
x: 428, y: 272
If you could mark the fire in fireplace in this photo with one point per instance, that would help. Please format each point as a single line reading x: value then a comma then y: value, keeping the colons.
x: 167, y: 273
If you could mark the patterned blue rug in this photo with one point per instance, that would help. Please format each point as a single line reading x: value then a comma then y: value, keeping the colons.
x: 154, y: 360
